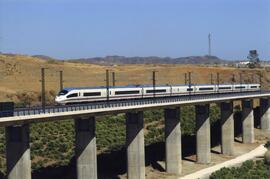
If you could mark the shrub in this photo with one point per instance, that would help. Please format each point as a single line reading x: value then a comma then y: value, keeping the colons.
x: 25, y: 98
x: 214, y: 113
x: 249, y: 169
x: 267, y: 145
x: 188, y: 123
x: 267, y: 157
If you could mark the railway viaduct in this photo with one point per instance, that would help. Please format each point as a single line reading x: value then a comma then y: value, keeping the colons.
x: 17, y: 124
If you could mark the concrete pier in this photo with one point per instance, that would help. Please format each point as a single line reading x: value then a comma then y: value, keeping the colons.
x: 17, y: 146
x: 247, y: 121
x: 227, y: 128
x: 203, y: 139
x: 265, y: 113
x: 85, y: 148
x: 135, y: 145
x: 173, y: 140
x: 18, y: 152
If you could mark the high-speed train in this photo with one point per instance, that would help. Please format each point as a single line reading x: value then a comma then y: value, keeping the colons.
x: 93, y: 94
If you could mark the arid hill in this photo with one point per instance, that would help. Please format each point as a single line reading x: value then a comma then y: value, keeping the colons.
x: 110, y: 60
x: 21, y: 73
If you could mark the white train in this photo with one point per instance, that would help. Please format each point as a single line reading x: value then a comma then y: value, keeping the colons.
x: 93, y: 94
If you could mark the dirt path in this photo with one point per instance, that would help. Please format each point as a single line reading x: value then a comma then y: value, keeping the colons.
x: 190, y: 166
x: 205, y: 173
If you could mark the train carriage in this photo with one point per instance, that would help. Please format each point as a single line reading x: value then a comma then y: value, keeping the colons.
x: 95, y: 94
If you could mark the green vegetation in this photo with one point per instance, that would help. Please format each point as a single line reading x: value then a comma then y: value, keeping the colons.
x: 267, y: 157
x: 110, y: 132
x: 52, y: 143
x: 267, y: 145
x: 154, y: 125
x: 188, y: 125
x: 249, y: 169
x: 267, y: 154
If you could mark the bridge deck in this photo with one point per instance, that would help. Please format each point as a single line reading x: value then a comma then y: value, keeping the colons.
x: 67, y: 112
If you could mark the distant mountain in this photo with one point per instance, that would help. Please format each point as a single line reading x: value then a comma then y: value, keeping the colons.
x: 8, y: 54
x: 110, y: 60
x: 43, y: 57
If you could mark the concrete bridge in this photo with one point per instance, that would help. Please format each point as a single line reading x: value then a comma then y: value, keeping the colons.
x: 17, y: 124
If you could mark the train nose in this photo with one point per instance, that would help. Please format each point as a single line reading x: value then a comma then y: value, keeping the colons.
x: 57, y: 99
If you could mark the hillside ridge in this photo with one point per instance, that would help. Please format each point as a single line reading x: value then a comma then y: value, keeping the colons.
x: 109, y: 60
x: 117, y: 59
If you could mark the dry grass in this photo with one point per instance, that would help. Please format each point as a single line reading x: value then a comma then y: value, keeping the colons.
x: 21, y: 73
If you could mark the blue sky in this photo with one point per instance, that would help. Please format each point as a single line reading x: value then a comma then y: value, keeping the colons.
x: 80, y: 28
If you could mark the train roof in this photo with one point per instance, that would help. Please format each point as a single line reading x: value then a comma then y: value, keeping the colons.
x: 140, y: 86
x: 104, y: 87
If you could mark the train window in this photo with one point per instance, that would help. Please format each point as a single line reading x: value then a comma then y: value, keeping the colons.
x: 156, y: 91
x: 63, y: 92
x: 92, y: 94
x: 224, y: 88
x: 189, y: 89
x: 204, y: 89
x: 239, y: 87
x: 72, y: 95
x: 253, y: 87
x: 126, y: 92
